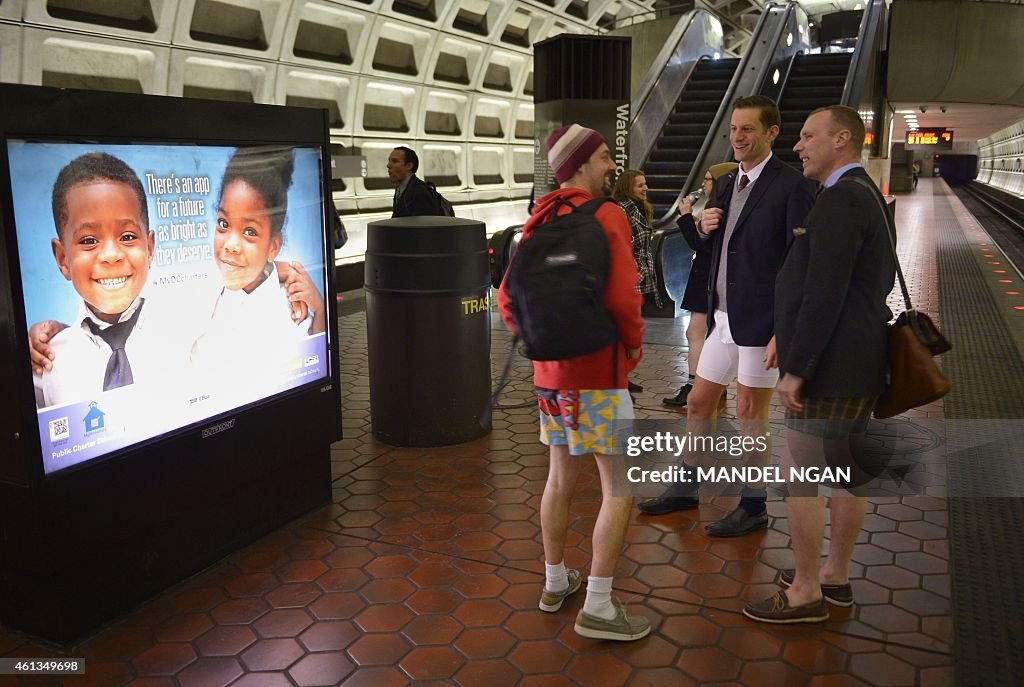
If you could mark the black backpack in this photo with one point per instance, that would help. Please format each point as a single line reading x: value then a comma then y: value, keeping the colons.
x: 556, y: 285
x: 443, y: 205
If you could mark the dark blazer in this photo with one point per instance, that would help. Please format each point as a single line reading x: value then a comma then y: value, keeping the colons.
x: 779, y: 201
x: 830, y: 312
x: 416, y: 201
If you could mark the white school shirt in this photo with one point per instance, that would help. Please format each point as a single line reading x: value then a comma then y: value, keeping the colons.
x: 250, y: 341
x: 154, y: 352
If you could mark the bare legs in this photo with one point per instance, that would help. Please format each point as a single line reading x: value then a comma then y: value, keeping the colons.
x: 807, y: 525
x: 612, y: 519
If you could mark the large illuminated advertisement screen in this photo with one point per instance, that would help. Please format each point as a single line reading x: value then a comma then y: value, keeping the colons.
x: 165, y: 284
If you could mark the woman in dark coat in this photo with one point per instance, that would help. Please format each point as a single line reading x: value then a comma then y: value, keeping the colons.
x: 695, y: 298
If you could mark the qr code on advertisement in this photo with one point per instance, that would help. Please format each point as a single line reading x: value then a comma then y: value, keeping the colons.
x: 59, y: 429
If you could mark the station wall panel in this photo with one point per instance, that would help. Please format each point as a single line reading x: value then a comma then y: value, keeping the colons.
x: 492, y: 119
x: 522, y: 124
x: 63, y: 60
x: 386, y: 108
x: 10, y: 53
x: 253, y: 28
x: 479, y: 19
x: 342, y: 189
x: 373, y: 6
x: 503, y: 72
x: 12, y: 9
x: 522, y: 166
x: 524, y: 25
x: 497, y: 215
x: 376, y: 151
x: 326, y: 35
x: 220, y: 77
x: 303, y: 87
x: 430, y: 13
x: 455, y: 62
x: 1001, y: 159
x: 445, y: 114
x: 452, y: 79
x: 150, y: 20
x: 397, y: 50
x: 487, y: 165
x: 445, y: 165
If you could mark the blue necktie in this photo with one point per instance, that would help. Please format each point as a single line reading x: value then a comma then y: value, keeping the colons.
x: 119, y: 370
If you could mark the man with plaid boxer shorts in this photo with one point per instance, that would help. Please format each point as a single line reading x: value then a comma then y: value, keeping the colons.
x: 583, y: 400
x: 831, y: 326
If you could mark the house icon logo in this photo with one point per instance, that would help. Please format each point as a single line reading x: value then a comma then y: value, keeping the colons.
x: 94, y: 418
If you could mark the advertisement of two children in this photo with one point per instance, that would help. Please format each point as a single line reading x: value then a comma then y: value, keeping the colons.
x: 165, y: 284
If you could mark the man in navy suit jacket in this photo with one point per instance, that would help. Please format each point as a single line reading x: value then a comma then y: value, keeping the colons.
x: 750, y: 223
x: 831, y: 320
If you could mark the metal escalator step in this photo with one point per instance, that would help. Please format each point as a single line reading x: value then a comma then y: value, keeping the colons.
x: 807, y: 104
x: 666, y: 168
x: 820, y: 69
x: 824, y: 58
x: 716, y: 86
x: 660, y: 182
x: 688, y: 118
x: 815, y: 92
x: 692, y: 126
x: 674, y: 155
x: 697, y: 105
x: 813, y: 80
x: 676, y: 142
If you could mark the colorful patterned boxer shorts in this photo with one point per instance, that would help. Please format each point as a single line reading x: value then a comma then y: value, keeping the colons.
x: 585, y: 420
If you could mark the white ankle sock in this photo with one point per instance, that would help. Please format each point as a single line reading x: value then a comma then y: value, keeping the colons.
x: 555, y: 577
x: 599, y: 598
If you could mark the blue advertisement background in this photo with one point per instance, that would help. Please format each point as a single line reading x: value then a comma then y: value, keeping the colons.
x: 34, y: 168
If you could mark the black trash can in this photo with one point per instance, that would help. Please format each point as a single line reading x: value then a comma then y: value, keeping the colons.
x: 428, y: 329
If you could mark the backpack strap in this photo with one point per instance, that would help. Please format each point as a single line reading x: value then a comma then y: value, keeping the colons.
x: 557, y: 204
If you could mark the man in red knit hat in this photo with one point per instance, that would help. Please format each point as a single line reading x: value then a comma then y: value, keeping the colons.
x: 582, y: 398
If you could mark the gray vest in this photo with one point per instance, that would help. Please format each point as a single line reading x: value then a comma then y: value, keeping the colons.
x: 732, y: 217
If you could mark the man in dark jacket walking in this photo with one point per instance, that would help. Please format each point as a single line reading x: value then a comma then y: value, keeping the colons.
x: 831, y: 328
x: 412, y: 197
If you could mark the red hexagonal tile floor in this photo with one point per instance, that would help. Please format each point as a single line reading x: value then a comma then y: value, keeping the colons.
x: 426, y: 569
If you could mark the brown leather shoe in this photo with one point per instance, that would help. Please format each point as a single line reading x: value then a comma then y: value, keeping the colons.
x: 776, y: 609
x: 835, y: 594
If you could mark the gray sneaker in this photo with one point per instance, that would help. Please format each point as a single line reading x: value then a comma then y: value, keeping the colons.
x: 552, y: 601
x: 622, y: 627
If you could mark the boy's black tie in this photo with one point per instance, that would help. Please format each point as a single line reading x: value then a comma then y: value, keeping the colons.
x: 119, y: 371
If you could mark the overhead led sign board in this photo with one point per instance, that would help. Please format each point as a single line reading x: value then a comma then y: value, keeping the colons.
x: 930, y: 139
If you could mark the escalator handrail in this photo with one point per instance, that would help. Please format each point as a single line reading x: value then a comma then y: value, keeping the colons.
x: 675, y: 46
x: 857, y: 74
x: 724, y: 109
x: 784, y: 80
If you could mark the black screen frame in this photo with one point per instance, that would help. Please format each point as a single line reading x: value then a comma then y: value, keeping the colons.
x: 87, y: 543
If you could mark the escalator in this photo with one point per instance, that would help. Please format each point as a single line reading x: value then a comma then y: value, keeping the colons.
x: 814, y: 81
x: 680, y: 141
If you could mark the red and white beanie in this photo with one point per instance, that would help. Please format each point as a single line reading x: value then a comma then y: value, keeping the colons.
x: 569, y: 147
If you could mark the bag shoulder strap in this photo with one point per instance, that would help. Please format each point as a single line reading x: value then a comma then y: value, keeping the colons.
x: 588, y: 208
x: 891, y: 230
